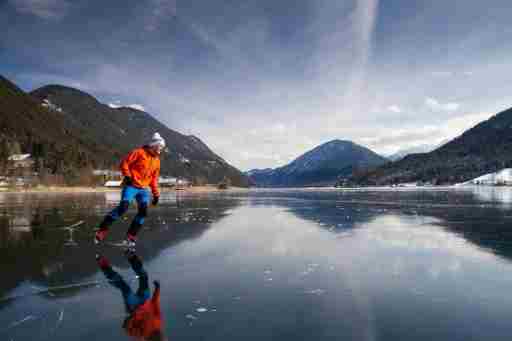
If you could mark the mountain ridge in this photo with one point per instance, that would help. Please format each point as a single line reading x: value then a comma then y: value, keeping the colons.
x: 70, y: 129
x: 127, y: 128
x: 319, y: 166
x: 484, y: 148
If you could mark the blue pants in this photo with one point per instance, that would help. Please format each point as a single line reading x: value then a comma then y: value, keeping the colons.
x: 141, y: 195
x: 131, y: 300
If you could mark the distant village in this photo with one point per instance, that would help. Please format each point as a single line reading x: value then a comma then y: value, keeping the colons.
x: 19, y: 172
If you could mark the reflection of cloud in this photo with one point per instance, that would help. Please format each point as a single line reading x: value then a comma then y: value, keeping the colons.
x: 399, y: 233
x: 285, y: 236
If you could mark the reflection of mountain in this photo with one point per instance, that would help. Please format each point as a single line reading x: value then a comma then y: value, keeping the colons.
x: 486, y: 227
x: 477, y: 215
x: 335, y: 217
x: 490, y: 194
x: 37, y: 252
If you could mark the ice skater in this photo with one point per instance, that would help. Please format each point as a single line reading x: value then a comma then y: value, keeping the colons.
x: 141, y: 169
x: 144, y: 321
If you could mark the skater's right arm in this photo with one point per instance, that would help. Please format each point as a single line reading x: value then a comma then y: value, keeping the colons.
x: 127, y: 161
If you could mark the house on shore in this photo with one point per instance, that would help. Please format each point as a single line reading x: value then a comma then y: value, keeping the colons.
x: 20, y: 164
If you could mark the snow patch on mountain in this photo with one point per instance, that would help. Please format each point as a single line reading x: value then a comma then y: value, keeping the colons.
x: 503, y: 177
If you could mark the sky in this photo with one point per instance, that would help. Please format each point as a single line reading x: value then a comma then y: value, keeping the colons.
x: 262, y: 82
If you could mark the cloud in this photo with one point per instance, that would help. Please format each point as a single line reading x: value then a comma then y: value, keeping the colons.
x: 237, y: 76
x: 435, y: 105
x: 45, y: 9
x: 395, y: 109
x: 387, y: 141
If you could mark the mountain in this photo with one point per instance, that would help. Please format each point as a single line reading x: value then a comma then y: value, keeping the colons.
x: 485, y: 148
x: 320, y: 166
x: 125, y: 128
x: 71, y: 130
x: 43, y: 132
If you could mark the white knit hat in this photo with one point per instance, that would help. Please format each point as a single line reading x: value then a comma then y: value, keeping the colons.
x: 157, y: 140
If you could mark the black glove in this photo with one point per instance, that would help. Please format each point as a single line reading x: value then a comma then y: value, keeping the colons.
x: 127, y: 181
x: 157, y: 284
x: 155, y: 200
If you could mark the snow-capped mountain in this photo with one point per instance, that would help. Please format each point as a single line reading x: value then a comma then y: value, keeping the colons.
x: 319, y: 166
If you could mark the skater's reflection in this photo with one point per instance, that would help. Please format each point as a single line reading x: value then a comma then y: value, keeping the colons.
x: 144, y: 321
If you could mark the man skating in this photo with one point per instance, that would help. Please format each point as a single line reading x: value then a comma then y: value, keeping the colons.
x: 141, y: 169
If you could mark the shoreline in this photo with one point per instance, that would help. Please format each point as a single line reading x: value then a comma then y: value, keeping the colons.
x: 85, y: 189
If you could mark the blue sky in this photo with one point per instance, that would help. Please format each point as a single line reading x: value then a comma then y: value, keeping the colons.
x: 263, y: 81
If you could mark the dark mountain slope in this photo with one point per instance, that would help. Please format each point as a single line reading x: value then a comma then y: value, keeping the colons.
x: 125, y: 128
x: 485, y: 148
x: 45, y: 132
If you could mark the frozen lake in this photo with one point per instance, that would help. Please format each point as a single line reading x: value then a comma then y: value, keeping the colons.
x: 267, y: 265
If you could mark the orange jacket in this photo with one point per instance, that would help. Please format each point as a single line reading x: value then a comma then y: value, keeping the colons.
x: 146, y: 319
x: 143, y: 168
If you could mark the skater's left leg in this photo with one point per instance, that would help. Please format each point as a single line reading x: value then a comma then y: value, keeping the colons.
x: 143, y: 291
x: 127, y: 195
x: 131, y: 301
x: 142, y: 199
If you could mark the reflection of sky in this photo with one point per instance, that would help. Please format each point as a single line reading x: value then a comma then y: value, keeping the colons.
x: 410, y: 258
x: 282, y: 234
x: 274, y: 265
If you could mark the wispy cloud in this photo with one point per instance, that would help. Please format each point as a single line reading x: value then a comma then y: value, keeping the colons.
x: 159, y: 11
x: 435, y: 105
x: 387, y: 141
x: 45, y: 9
